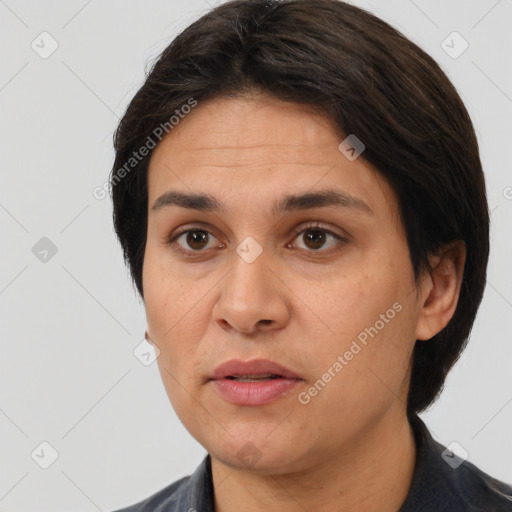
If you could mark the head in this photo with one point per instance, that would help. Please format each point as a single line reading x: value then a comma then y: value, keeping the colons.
x: 249, y: 105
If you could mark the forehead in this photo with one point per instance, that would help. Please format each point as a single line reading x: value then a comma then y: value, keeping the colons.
x: 258, y: 146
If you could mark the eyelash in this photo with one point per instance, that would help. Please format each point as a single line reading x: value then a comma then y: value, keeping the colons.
x: 172, y: 240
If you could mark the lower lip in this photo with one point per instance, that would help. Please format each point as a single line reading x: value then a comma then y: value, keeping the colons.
x: 254, y: 393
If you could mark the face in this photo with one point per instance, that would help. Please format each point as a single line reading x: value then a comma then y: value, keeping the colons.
x: 321, y: 285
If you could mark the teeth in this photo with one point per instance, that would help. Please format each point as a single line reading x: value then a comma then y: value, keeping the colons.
x: 254, y: 378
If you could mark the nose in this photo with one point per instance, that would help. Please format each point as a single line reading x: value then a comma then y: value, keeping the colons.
x: 252, y: 298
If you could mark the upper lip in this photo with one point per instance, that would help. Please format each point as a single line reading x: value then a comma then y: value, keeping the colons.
x: 237, y: 367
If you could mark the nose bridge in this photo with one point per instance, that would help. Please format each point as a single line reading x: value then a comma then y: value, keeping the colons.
x: 249, y: 278
x: 250, y: 293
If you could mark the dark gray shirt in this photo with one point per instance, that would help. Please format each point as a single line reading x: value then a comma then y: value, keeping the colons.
x: 441, y: 483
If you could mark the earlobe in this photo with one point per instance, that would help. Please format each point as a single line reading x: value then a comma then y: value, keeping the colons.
x: 440, y: 290
x: 146, y: 335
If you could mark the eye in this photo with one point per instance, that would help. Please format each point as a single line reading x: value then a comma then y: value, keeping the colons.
x: 315, y: 237
x: 196, y: 239
x: 193, y: 239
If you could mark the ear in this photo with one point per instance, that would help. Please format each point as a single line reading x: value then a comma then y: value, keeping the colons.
x: 146, y: 335
x: 440, y: 288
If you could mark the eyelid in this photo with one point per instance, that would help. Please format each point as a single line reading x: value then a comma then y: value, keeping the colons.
x: 181, y: 231
x: 319, y: 226
x: 297, y: 231
x: 342, y: 240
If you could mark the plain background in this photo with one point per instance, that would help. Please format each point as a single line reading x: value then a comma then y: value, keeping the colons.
x: 69, y: 326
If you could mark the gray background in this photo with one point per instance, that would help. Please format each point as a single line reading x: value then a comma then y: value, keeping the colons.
x: 70, y: 321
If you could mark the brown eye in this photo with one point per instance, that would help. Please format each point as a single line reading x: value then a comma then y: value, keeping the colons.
x: 192, y: 240
x: 314, y: 239
x: 196, y: 239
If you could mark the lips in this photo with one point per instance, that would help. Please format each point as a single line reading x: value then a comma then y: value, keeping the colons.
x: 254, y: 383
x: 255, y: 369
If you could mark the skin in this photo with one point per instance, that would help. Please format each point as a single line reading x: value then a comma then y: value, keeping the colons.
x: 350, y: 447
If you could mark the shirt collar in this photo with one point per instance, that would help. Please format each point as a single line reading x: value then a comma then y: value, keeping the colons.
x: 435, y: 484
x: 197, y: 493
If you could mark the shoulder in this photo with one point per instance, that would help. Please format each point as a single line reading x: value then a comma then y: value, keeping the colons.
x: 163, y: 500
x: 194, y: 492
x: 480, y: 491
x: 443, y: 481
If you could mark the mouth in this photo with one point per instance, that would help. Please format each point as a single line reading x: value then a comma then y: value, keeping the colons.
x: 254, y: 378
x: 253, y: 383
x: 255, y: 370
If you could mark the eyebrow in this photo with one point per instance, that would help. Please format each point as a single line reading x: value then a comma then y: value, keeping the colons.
x: 292, y: 202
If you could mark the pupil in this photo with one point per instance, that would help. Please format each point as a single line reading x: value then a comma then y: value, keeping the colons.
x: 316, y: 237
x: 196, y: 237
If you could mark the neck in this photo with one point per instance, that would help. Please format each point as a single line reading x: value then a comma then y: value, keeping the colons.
x: 373, y: 473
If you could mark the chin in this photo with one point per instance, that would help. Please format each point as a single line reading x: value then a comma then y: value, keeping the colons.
x: 252, y: 456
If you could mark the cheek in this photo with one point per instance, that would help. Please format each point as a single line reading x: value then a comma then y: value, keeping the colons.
x: 369, y: 374
x: 176, y: 389
x: 177, y: 313
x: 356, y: 300
x: 167, y: 299
x: 370, y: 321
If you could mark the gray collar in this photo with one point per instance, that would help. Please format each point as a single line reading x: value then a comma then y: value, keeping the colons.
x: 437, y: 485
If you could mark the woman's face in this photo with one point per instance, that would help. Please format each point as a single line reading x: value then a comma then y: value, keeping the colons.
x: 325, y: 290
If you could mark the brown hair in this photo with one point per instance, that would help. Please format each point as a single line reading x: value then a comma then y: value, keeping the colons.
x: 373, y: 82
